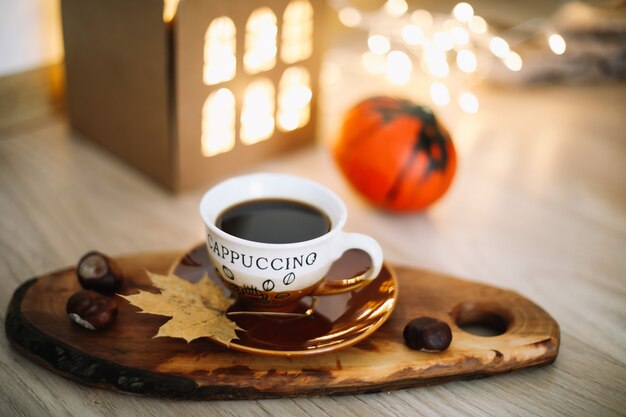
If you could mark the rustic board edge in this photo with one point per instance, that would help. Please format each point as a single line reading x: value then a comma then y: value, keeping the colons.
x: 57, y: 356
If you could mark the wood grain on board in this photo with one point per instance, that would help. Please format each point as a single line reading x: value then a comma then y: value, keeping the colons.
x: 126, y: 358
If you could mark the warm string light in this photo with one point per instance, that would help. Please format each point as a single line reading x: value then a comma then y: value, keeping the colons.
x: 444, y: 46
x: 422, y: 18
x: 468, y: 102
x: 499, y: 47
x: 463, y: 12
x: 557, y: 44
x: 374, y: 64
x: 459, y: 36
x: 466, y: 61
x: 435, y: 62
x: 350, y: 17
x: 413, y: 35
x: 399, y: 67
x: 513, y: 61
x: 396, y: 8
x: 443, y: 41
x: 379, y: 44
x: 439, y: 93
x: 478, y: 25
x: 438, y: 43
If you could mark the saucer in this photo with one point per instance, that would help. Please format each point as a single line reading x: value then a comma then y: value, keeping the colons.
x: 337, y: 321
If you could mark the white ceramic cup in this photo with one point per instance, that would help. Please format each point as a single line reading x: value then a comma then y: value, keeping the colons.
x: 273, y: 275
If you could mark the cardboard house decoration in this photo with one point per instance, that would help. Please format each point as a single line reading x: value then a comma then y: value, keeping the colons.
x: 192, y: 91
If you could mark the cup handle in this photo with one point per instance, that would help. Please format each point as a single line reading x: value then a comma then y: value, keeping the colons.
x: 354, y: 241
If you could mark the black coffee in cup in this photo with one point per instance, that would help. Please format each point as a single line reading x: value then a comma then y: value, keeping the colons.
x: 274, y: 221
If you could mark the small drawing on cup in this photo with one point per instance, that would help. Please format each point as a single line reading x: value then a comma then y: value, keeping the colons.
x: 250, y: 291
x: 229, y: 274
x: 289, y: 278
x: 281, y: 295
x: 268, y: 285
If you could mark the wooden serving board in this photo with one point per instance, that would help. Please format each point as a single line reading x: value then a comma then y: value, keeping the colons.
x: 126, y: 358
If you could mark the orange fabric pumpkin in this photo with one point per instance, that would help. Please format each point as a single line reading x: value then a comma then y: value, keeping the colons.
x: 395, y: 153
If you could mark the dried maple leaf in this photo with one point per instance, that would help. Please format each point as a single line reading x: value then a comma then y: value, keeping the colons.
x: 197, y: 310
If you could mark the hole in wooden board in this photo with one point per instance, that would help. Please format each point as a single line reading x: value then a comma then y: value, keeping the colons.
x: 482, y: 319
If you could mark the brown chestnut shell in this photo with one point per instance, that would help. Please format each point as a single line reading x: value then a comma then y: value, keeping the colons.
x: 427, y: 333
x: 96, y: 271
x: 91, y: 310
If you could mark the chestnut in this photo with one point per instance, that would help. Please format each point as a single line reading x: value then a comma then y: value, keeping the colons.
x: 91, y: 310
x: 97, y: 272
x: 427, y: 333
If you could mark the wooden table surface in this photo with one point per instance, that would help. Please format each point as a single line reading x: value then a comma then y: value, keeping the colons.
x: 538, y: 206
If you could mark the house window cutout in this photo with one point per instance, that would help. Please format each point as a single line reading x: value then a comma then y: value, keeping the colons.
x: 294, y: 99
x: 297, y: 34
x: 261, y: 33
x: 218, y: 122
x: 220, y: 62
x: 257, y: 114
